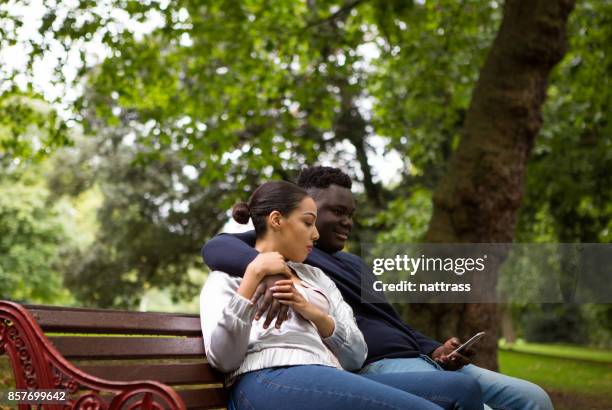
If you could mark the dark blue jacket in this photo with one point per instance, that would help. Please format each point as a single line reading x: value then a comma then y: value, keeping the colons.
x: 384, y: 332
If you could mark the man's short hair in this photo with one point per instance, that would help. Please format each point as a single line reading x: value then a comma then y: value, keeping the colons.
x: 323, y: 177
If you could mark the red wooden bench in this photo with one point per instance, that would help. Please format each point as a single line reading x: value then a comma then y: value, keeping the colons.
x: 160, y: 365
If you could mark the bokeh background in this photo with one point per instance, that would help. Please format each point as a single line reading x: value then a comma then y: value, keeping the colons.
x: 128, y: 129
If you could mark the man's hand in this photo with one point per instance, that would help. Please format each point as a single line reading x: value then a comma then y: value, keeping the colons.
x: 455, y: 361
x: 287, y: 294
x: 270, y: 304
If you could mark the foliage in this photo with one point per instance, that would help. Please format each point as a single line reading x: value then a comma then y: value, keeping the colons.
x: 152, y: 220
x: 407, y: 218
x: 567, y: 195
x: 29, y: 128
x: 569, y: 174
x: 598, y: 319
x: 31, y: 242
x: 555, y: 324
x: 430, y: 61
x: 192, y: 104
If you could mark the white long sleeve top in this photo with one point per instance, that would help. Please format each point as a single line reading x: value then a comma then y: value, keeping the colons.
x: 236, y: 344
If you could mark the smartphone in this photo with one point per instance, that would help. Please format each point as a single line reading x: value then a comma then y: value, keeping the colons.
x: 467, y: 344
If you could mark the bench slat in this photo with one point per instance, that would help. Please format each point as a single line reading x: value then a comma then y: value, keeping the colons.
x: 78, y: 347
x: 98, y: 322
x: 79, y: 320
x: 204, y: 398
x: 172, y: 374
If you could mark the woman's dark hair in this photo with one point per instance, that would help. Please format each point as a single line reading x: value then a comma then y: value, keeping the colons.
x: 281, y: 196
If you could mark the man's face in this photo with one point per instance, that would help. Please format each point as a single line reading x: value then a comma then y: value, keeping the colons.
x: 335, y: 207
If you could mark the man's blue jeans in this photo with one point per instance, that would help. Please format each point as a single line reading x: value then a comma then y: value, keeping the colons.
x: 499, y: 391
x: 321, y: 387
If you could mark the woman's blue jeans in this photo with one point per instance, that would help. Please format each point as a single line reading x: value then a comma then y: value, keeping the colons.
x: 320, y: 387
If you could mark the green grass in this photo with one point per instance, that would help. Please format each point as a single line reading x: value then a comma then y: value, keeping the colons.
x: 558, y: 373
x: 562, y: 351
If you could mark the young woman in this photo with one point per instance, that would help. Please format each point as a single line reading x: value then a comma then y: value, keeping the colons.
x: 300, y: 365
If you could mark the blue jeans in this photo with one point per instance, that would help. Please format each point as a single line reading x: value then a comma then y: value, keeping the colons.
x: 498, y: 391
x: 321, y: 387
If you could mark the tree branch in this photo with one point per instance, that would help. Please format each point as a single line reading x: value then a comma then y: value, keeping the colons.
x: 339, y: 13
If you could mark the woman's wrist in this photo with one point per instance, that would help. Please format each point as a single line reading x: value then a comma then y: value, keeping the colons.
x: 251, y: 279
x: 323, y: 322
x: 254, y: 272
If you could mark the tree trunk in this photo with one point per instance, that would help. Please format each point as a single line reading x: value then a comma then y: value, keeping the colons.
x: 478, y: 197
x: 349, y: 124
x: 507, y: 324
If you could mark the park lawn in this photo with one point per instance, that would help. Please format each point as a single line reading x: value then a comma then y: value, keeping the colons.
x: 564, y: 351
x: 558, y: 373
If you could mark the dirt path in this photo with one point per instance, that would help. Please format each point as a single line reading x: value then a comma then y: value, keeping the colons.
x: 572, y: 401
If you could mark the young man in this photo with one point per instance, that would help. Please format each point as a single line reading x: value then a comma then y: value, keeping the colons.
x: 393, y: 346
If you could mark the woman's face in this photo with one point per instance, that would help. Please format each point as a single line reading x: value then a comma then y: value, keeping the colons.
x: 298, y: 231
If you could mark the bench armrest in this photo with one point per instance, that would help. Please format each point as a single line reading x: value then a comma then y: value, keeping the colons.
x: 37, y: 364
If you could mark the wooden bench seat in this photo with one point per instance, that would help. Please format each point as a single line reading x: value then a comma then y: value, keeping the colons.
x: 115, y: 359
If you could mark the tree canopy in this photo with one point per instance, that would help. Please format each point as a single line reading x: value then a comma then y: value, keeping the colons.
x: 175, y: 109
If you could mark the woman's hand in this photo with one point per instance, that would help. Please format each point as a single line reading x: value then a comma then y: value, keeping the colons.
x: 286, y: 293
x: 265, y: 264
x: 268, y: 263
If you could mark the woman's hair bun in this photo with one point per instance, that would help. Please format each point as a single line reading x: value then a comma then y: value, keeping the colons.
x: 241, y: 213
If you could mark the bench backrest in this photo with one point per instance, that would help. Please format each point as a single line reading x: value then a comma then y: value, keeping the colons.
x: 127, y: 346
